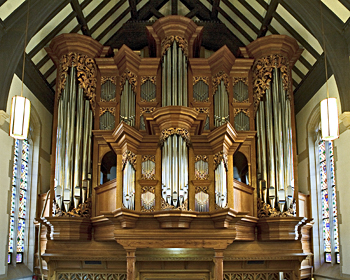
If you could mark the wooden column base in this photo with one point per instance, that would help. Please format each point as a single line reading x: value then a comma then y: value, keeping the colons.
x: 130, y: 264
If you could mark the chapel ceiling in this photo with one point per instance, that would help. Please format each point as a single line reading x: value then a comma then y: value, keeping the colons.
x: 235, y: 23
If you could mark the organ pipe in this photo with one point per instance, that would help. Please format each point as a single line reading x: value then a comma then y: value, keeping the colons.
x: 221, y: 112
x: 129, y: 186
x: 174, y: 77
x: 128, y: 104
x: 275, y: 156
x: 73, y: 144
x: 221, y: 185
x: 175, y: 171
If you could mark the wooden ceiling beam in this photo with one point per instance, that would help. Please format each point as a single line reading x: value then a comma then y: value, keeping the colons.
x: 241, y: 16
x: 108, y: 15
x: 214, y: 10
x: 51, y: 35
x: 311, y: 84
x: 133, y: 9
x: 36, y: 83
x: 268, y: 18
x: 80, y: 17
x: 251, y: 10
x: 95, y: 11
x: 156, y: 13
x: 346, y: 3
x: 203, y: 12
x: 192, y: 13
x: 174, y: 10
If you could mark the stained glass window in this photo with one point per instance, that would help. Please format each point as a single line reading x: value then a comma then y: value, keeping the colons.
x: 329, y: 202
x: 18, y: 200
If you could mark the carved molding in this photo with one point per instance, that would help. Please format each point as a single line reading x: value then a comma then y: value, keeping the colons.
x: 129, y: 156
x: 131, y: 77
x: 221, y: 76
x: 168, y: 41
x: 236, y: 80
x: 218, y: 157
x: 171, y: 131
x: 236, y: 111
x: 107, y: 109
x: 166, y: 206
x: 86, y: 74
x: 146, y: 110
x: 262, y: 75
x: 201, y: 157
x: 265, y: 210
x: 199, y: 189
x: 152, y: 79
x: 143, y: 209
x: 244, y: 101
x: 201, y: 176
x: 148, y: 157
x: 204, y: 79
x: 113, y: 79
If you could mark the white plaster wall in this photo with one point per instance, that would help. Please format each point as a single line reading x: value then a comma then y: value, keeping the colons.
x: 40, y: 176
x: 307, y: 173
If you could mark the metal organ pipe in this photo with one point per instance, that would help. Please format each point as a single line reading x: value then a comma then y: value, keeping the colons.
x: 73, y: 144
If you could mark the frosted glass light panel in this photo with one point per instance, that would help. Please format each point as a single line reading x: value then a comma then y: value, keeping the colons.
x: 107, y: 121
x: 148, y: 91
x: 175, y: 173
x: 129, y: 174
x: 241, y: 121
x: 108, y: 90
x: 240, y: 92
x: 221, y: 185
x: 201, y: 202
x: 201, y: 92
x: 221, y: 105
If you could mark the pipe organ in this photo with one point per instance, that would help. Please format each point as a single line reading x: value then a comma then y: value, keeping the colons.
x: 204, y: 153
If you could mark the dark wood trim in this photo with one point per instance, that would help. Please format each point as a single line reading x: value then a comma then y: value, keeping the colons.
x: 268, y: 18
x: 108, y: 15
x: 97, y: 10
x: 251, y: 10
x: 241, y: 16
x: 203, y: 12
x: 192, y: 13
x: 174, y: 10
x: 133, y: 9
x: 156, y: 13
x: 80, y: 17
x: 214, y: 10
x: 346, y: 3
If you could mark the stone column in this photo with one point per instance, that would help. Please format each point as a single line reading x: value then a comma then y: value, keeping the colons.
x: 219, y: 265
x: 130, y: 264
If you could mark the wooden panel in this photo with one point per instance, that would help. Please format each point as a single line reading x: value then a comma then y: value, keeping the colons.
x: 106, y: 197
x: 243, y: 197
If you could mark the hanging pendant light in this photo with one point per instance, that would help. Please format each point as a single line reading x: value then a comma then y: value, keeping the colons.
x: 20, y: 109
x: 329, y: 109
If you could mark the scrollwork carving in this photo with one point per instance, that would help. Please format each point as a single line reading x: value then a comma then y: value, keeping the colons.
x: 218, y: 157
x: 202, y: 110
x: 107, y: 109
x: 83, y: 210
x: 221, y: 76
x: 152, y: 79
x: 166, y: 206
x: 199, y: 189
x: 146, y: 110
x: 201, y: 157
x: 236, y: 111
x: 86, y: 74
x: 265, y: 210
x: 263, y: 74
x: 168, y: 41
x: 204, y: 79
x: 145, y: 189
x: 148, y: 157
x: 113, y: 79
x: 171, y: 131
x: 131, y: 77
x: 236, y: 80
x: 129, y: 156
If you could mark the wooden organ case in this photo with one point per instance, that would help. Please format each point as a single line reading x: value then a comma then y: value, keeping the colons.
x: 169, y: 166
